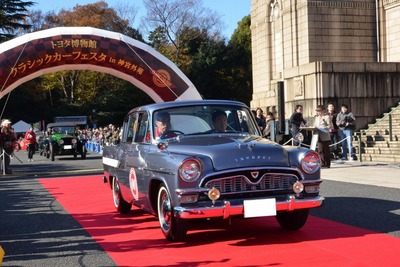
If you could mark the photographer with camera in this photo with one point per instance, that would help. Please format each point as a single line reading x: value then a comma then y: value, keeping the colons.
x: 346, y: 122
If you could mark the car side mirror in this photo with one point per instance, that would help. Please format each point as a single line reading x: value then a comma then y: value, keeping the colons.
x: 162, y: 145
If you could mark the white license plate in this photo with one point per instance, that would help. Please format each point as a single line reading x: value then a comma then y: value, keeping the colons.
x: 68, y: 147
x: 259, y: 207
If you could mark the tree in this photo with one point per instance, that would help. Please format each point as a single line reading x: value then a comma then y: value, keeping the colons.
x: 220, y: 71
x: 12, y: 17
x: 239, y: 63
x: 173, y: 18
x: 205, y: 58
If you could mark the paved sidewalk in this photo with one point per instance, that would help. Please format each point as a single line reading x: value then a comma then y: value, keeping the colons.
x: 369, y: 173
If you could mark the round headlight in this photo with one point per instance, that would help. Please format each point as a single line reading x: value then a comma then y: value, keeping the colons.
x: 190, y: 170
x: 311, y: 162
x: 61, y: 141
x: 73, y: 141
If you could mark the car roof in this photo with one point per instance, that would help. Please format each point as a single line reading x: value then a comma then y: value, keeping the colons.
x: 56, y: 124
x: 182, y: 103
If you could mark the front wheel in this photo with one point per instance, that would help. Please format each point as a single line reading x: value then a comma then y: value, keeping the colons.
x: 120, y: 204
x: 47, y: 151
x: 292, y: 220
x: 84, y: 151
x: 174, y: 229
x: 52, y: 152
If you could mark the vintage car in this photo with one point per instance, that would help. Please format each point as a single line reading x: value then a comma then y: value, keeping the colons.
x: 176, y: 162
x: 61, y: 138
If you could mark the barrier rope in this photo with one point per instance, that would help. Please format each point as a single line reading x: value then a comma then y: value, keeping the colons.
x: 291, y: 140
x: 340, y: 141
x: 11, y: 156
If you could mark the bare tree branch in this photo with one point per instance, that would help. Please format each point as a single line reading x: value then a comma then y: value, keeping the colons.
x: 177, y: 16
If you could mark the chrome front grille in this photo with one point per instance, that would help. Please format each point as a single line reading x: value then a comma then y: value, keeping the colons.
x: 242, y: 184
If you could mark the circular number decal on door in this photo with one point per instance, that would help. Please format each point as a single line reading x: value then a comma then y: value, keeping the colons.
x: 133, y: 184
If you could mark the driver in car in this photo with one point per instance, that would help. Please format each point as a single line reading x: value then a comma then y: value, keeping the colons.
x: 219, y: 120
x: 163, y: 125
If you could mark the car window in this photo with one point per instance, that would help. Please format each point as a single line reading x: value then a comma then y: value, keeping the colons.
x: 63, y: 130
x: 199, y: 120
x: 143, y: 130
x: 189, y: 124
x: 128, y: 128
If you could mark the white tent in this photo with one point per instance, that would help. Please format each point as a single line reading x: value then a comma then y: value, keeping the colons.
x: 21, y: 126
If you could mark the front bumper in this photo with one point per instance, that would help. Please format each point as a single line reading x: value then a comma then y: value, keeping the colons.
x: 227, y: 210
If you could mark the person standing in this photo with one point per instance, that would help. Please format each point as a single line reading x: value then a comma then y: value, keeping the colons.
x: 345, y: 120
x: 333, y: 130
x: 8, y: 140
x: 30, y: 137
x: 261, y: 122
x: 323, y: 124
x: 296, y: 121
x: 270, y: 120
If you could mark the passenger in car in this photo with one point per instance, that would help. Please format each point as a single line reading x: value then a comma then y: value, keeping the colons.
x: 243, y: 123
x: 219, y: 120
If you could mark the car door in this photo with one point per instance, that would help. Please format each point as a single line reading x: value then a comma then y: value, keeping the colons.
x: 134, y: 160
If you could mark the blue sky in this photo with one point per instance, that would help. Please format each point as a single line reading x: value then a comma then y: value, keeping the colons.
x: 231, y: 11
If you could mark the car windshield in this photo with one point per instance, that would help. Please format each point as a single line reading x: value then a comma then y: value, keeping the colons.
x: 62, y: 129
x: 204, y: 119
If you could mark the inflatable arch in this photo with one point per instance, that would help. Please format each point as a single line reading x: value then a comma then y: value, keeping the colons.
x: 86, y: 48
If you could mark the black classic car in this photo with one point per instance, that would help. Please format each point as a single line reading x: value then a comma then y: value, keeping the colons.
x: 61, y: 138
x: 189, y: 160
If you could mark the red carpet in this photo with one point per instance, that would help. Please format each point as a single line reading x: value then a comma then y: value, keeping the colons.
x: 136, y: 240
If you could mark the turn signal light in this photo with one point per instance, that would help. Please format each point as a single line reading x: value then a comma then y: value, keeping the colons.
x: 214, y: 194
x: 188, y: 198
x: 298, y: 187
x: 312, y: 189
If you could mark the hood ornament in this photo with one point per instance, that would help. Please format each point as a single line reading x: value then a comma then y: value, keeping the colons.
x: 254, y: 175
x: 251, y: 145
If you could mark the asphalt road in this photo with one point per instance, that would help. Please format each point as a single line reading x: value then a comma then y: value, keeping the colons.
x: 36, y: 231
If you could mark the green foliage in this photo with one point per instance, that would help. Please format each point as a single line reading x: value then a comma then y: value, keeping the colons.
x: 12, y: 17
x: 220, y: 71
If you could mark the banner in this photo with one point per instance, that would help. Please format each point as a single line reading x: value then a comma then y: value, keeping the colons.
x: 86, y: 48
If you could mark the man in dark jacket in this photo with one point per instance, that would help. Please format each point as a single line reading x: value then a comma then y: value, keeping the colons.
x: 346, y: 122
x: 297, y: 121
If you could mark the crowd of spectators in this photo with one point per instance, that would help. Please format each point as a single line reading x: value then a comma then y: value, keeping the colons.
x: 104, y: 136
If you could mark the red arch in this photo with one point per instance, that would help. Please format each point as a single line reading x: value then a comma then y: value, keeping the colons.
x: 86, y: 48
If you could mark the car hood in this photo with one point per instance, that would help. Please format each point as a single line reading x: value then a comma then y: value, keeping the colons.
x: 228, y: 152
x: 58, y: 136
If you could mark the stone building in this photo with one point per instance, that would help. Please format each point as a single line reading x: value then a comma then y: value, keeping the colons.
x: 340, y: 51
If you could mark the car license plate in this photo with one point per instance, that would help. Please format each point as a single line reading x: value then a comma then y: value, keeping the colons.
x: 68, y: 147
x: 259, y: 207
